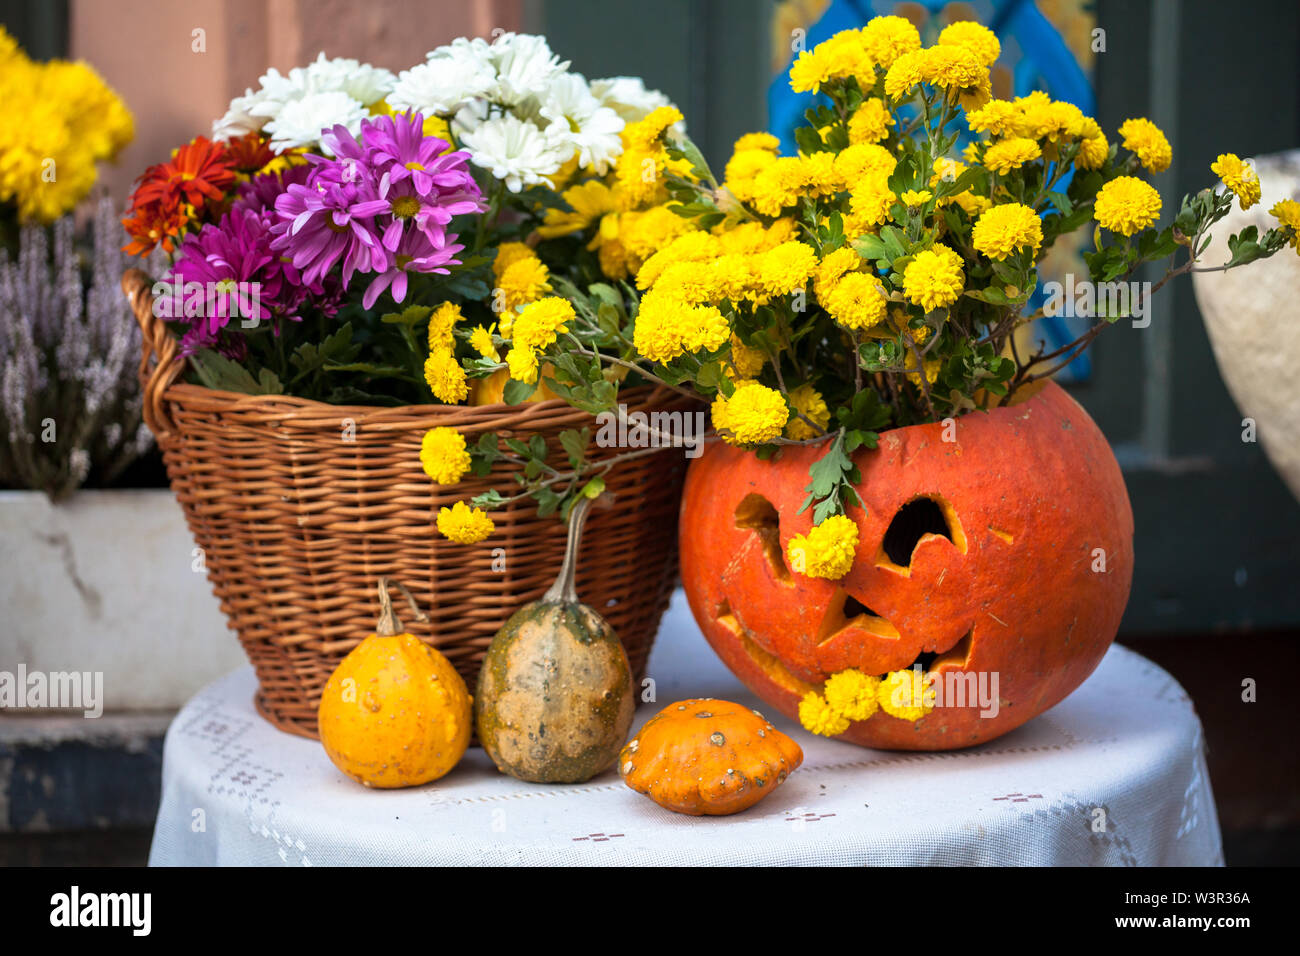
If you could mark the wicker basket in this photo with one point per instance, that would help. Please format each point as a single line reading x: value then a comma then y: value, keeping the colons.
x: 296, y: 524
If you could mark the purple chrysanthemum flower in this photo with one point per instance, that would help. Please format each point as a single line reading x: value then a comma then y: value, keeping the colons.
x: 331, y: 217
x: 366, y: 205
x: 260, y: 193
x: 415, y: 253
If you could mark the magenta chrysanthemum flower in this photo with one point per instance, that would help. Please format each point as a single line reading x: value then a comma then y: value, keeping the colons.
x: 230, y: 271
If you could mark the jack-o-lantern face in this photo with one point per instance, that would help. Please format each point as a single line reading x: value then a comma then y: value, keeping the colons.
x: 1007, y: 551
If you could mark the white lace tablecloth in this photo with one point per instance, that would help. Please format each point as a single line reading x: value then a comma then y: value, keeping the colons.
x: 1113, y: 775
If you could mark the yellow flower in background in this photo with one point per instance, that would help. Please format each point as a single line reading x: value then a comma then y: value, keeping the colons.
x: 1238, y: 176
x: 900, y: 694
x: 589, y: 201
x: 1004, y: 230
x: 818, y: 717
x: 764, y: 141
x: 645, y: 232
x: 1287, y: 213
x: 752, y: 415
x: 1008, y: 154
x: 742, y: 169
x: 870, y: 122
x: 1126, y: 205
x: 59, y: 119
x: 888, y: 38
x: 807, y: 401
x: 1143, y: 137
x: 934, y: 278
x: 694, y: 246
x: 827, y: 551
x: 912, y: 198
x: 444, y: 455
x: 852, y: 694
x: 463, y: 524
x: 841, y: 56
x: 976, y: 37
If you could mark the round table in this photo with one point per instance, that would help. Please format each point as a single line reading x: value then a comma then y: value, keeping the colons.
x: 1115, y: 774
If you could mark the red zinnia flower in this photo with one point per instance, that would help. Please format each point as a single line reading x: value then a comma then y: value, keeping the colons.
x: 200, y: 171
x: 250, y: 152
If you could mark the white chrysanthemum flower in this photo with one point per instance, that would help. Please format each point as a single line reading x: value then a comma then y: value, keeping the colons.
x: 593, y: 129
x: 514, y: 149
x: 300, y: 122
x: 525, y: 67
x: 238, y: 119
x: 364, y: 83
x: 442, y: 85
x: 628, y: 97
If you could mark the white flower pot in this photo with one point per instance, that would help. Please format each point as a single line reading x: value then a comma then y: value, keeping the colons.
x: 106, y: 582
x: 1250, y: 314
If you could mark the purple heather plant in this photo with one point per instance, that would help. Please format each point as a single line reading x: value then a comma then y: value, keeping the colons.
x: 69, y: 396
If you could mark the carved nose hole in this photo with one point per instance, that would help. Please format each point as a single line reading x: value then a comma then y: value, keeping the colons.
x: 914, y: 520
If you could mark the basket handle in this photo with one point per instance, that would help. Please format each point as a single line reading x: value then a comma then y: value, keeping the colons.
x: 160, y: 364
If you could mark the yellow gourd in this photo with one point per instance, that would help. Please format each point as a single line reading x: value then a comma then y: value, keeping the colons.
x: 395, y: 713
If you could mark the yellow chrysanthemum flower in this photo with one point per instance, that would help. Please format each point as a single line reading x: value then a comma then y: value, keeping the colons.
x: 765, y: 141
x: 888, y: 38
x: 870, y: 122
x: 1143, y: 137
x: 1003, y: 230
x: 842, y: 55
x: 856, y: 300
x: 748, y: 361
x: 444, y: 455
x: 1008, y: 154
x: 1287, y: 213
x: 852, y: 694
x: 901, y: 695
x: 786, y: 268
x: 1126, y: 205
x: 818, y: 717
x: 827, y: 551
x: 442, y: 323
x: 996, y: 117
x: 480, y: 340
x: 743, y: 167
x: 754, y: 414
x: 1094, y: 149
x: 913, y: 198
x: 646, y: 133
x: 523, y: 365
x: 976, y: 37
x: 832, y: 268
x: 525, y: 280
x: 808, y: 402
x: 934, y: 278
x: 779, y: 185
x: 869, y: 201
x: 1238, y: 176
x: 666, y: 327
x: 863, y: 160
x: 463, y: 524
x: 541, y: 322
x: 589, y: 201
x: 694, y: 246
x: 646, y: 232
x: 445, y: 376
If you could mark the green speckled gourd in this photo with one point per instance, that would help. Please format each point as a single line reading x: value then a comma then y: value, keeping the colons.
x: 554, y: 701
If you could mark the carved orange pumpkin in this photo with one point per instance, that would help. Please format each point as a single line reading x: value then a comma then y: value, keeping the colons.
x: 1004, y: 555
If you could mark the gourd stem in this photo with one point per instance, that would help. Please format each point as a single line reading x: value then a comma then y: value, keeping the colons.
x: 388, y: 624
x: 564, y: 590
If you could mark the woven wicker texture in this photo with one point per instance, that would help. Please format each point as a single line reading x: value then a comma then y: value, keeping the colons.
x: 299, y: 507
